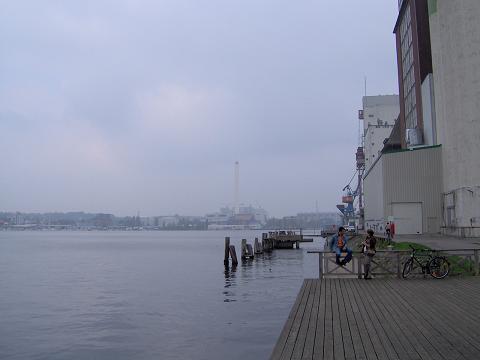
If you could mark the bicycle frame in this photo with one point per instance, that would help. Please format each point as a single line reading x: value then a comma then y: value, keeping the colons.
x: 424, y: 266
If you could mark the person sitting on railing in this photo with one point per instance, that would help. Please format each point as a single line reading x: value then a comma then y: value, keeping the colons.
x: 368, y: 251
x: 338, y: 243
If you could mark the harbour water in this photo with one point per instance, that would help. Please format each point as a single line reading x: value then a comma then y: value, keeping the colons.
x: 143, y: 295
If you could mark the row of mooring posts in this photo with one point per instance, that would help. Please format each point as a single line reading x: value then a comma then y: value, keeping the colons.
x: 247, y: 252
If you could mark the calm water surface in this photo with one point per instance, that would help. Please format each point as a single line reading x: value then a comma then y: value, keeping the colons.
x: 143, y: 295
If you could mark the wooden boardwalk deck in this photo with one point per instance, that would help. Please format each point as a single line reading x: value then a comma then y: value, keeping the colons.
x: 383, y: 319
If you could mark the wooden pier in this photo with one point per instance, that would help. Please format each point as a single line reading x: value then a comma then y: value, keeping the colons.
x: 283, y: 240
x: 383, y: 319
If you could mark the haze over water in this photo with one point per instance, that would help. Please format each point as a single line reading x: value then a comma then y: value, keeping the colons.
x: 142, y: 295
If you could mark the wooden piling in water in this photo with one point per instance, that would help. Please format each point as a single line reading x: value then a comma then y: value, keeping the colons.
x: 227, y: 251
x: 233, y: 254
x: 249, y: 254
x: 244, y: 248
x: 247, y: 251
x: 258, y: 247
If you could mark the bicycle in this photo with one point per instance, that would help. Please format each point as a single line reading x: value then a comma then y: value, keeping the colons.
x: 437, y: 266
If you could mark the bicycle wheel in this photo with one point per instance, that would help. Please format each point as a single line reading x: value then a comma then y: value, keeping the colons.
x: 407, y: 268
x: 439, y: 267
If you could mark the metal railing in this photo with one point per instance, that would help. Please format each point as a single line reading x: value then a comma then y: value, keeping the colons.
x: 390, y: 262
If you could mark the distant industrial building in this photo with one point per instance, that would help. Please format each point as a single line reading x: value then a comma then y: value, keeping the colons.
x: 238, y: 217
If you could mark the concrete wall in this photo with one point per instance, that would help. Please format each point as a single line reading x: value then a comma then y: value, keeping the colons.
x: 373, y: 142
x: 374, y: 204
x: 380, y: 113
x: 455, y: 39
x: 415, y: 177
x: 428, y: 110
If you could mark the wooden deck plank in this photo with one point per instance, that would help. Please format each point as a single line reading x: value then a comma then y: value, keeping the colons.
x: 302, y: 333
x: 457, y: 308
x: 277, y: 351
x: 295, y: 328
x: 413, y: 309
x: 328, y: 333
x: 441, y: 309
x: 386, y: 301
x: 412, y: 314
x: 392, y: 338
x: 366, y: 340
x: 372, y: 326
x: 312, y: 325
x: 348, y: 348
x: 469, y: 299
x: 338, y: 339
x: 320, y: 326
x: 436, y: 314
x: 419, y: 319
x: 469, y: 295
x: 352, y: 323
x: 385, y: 347
x: 395, y: 327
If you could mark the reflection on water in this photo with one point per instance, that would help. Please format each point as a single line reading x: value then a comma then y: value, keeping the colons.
x: 229, y: 292
x: 122, y: 295
x: 258, y: 270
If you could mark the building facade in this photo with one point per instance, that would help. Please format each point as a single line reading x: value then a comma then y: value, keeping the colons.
x: 439, y: 93
x: 379, y: 115
x: 455, y: 44
x: 412, y: 202
x: 414, y: 63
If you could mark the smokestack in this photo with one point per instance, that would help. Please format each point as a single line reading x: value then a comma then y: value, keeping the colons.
x: 237, y: 188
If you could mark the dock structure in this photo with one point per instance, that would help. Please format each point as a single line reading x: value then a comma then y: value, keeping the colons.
x: 383, y: 319
x: 283, y: 240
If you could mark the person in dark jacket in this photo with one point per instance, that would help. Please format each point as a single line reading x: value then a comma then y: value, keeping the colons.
x: 368, y: 252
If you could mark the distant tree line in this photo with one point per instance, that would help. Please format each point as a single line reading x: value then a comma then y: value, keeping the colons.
x: 175, y: 222
x: 304, y: 221
x: 100, y: 221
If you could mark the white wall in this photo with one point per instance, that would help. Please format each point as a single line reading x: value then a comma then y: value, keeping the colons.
x: 428, y: 109
x: 374, y: 202
x: 380, y: 113
x: 455, y: 39
x: 373, y: 142
x: 415, y: 176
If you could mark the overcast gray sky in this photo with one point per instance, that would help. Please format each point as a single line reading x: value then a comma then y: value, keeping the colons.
x: 119, y: 106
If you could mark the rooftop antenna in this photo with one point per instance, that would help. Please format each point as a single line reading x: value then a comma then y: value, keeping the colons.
x: 360, y: 123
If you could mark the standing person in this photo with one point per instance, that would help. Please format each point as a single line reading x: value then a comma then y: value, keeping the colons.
x: 388, y: 229
x: 339, y: 244
x: 368, y: 252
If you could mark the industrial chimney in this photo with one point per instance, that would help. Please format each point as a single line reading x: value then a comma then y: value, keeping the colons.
x: 237, y: 188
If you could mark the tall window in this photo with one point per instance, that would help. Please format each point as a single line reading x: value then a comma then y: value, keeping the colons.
x: 408, y: 76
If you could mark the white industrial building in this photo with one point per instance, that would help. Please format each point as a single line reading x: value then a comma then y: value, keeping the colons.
x: 404, y: 186
x: 427, y: 178
x: 379, y: 115
x: 455, y: 43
